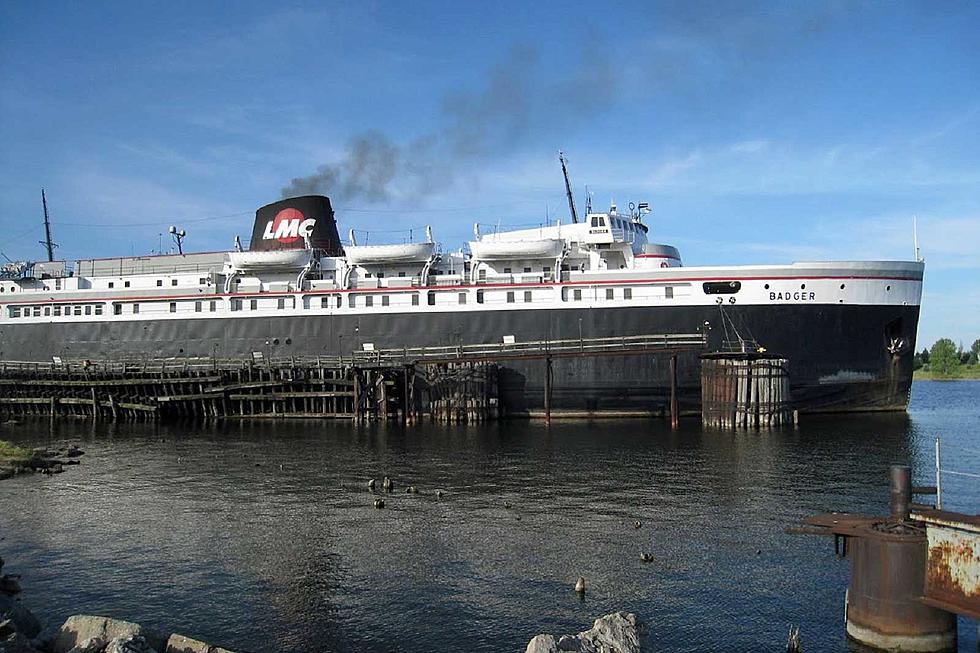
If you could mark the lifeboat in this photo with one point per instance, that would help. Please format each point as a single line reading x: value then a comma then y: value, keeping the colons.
x: 280, y: 259
x: 489, y: 249
x: 398, y: 253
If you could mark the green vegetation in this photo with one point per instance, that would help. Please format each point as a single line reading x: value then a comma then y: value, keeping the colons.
x: 947, y: 361
x: 11, y: 453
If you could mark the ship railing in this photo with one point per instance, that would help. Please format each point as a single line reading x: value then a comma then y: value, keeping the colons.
x: 536, y: 348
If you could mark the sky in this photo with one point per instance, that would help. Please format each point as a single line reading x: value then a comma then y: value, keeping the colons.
x: 758, y: 132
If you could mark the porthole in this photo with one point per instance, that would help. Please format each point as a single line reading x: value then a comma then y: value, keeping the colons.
x: 767, y: 286
x: 842, y: 286
x: 802, y: 286
x: 275, y: 341
x: 289, y: 341
x: 888, y: 287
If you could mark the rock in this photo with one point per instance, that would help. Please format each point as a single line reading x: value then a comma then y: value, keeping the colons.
x: 182, y: 644
x: 93, y: 645
x: 411, y: 489
x: 7, y: 627
x: 637, y: 524
x: 542, y: 644
x: 379, y: 503
x: 129, y: 644
x: 371, y: 484
x: 74, y: 452
x: 613, y: 633
x: 580, y: 585
x: 9, y: 585
x: 79, y: 628
x: 24, y: 620
x: 387, y: 485
x: 16, y: 643
x: 646, y: 557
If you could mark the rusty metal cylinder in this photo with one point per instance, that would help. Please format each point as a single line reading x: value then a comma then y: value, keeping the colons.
x: 884, y: 608
x: 901, y: 492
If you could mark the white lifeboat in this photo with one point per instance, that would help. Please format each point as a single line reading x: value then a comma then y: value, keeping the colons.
x: 397, y: 253
x: 489, y: 248
x: 279, y: 259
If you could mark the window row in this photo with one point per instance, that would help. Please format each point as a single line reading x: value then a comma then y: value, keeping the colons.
x: 354, y: 300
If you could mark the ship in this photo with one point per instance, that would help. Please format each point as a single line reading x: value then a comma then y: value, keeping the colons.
x: 846, y: 328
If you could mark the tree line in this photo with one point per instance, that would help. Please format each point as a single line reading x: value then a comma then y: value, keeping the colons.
x: 945, y: 357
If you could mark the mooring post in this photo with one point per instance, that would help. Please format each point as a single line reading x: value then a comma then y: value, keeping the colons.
x: 939, y: 481
x: 95, y: 405
x: 900, y: 492
x: 674, y: 417
x: 547, y: 389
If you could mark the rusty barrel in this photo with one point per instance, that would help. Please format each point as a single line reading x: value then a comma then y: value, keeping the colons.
x: 884, y: 608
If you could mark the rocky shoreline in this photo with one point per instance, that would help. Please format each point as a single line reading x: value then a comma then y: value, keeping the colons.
x: 37, y: 461
x: 22, y: 632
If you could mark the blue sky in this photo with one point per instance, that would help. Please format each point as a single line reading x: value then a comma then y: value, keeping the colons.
x: 759, y: 133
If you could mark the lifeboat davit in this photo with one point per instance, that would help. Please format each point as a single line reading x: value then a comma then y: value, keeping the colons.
x: 280, y: 259
x: 398, y: 253
x: 489, y: 249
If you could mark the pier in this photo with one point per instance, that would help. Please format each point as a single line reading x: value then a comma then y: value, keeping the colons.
x: 452, y: 383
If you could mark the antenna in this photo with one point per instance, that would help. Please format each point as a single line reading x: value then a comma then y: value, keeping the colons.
x: 588, y: 201
x: 568, y: 187
x: 47, y: 229
x: 915, y: 238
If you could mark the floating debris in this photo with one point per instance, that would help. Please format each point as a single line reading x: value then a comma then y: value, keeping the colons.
x: 646, y: 557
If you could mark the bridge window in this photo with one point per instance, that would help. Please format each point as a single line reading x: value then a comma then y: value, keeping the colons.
x: 627, y: 293
x: 577, y: 294
x: 212, y: 306
x: 462, y: 298
x: 112, y: 284
x: 669, y: 292
x: 57, y: 311
x: 202, y: 281
x: 324, y: 302
x: 159, y: 282
x: 432, y: 298
x: 527, y: 269
x: 479, y: 294
x: 125, y: 284
x: 236, y: 304
x: 47, y: 311
x: 721, y: 287
x: 173, y: 282
x: 15, y: 311
x: 253, y: 304
x: 415, y: 299
x: 78, y: 310
x: 136, y: 308
x: 527, y: 295
x: 369, y: 300
x: 88, y: 310
x: 610, y: 293
x: 173, y: 307
x: 385, y: 300
x: 506, y: 270
x: 510, y: 296
x: 281, y: 303
x: 198, y: 307
x: 351, y: 301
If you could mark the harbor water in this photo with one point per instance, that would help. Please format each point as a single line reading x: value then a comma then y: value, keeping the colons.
x: 263, y: 536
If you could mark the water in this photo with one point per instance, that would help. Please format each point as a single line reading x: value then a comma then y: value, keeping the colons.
x: 263, y: 536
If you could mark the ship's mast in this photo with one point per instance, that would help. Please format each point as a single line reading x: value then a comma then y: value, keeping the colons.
x: 47, y: 229
x: 568, y: 187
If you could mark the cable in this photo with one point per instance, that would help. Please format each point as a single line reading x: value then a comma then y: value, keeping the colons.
x: 151, y: 224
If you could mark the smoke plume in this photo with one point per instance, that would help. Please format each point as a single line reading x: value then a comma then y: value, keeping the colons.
x: 511, y: 104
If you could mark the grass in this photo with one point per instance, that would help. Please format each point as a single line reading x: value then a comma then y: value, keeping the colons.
x: 11, y: 453
x: 961, y: 372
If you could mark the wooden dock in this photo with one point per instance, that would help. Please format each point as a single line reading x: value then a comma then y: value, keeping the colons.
x: 452, y: 384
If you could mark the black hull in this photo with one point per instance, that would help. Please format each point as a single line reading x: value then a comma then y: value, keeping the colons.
x: 839, y: 357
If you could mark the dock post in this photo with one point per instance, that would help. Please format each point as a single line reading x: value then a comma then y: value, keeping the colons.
x: 674, y: 417
x: 95, y: 405
x: 547, y: 389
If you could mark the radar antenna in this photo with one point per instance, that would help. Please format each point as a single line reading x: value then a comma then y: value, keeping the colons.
x: 568, y: 187
x: 47, y: 229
